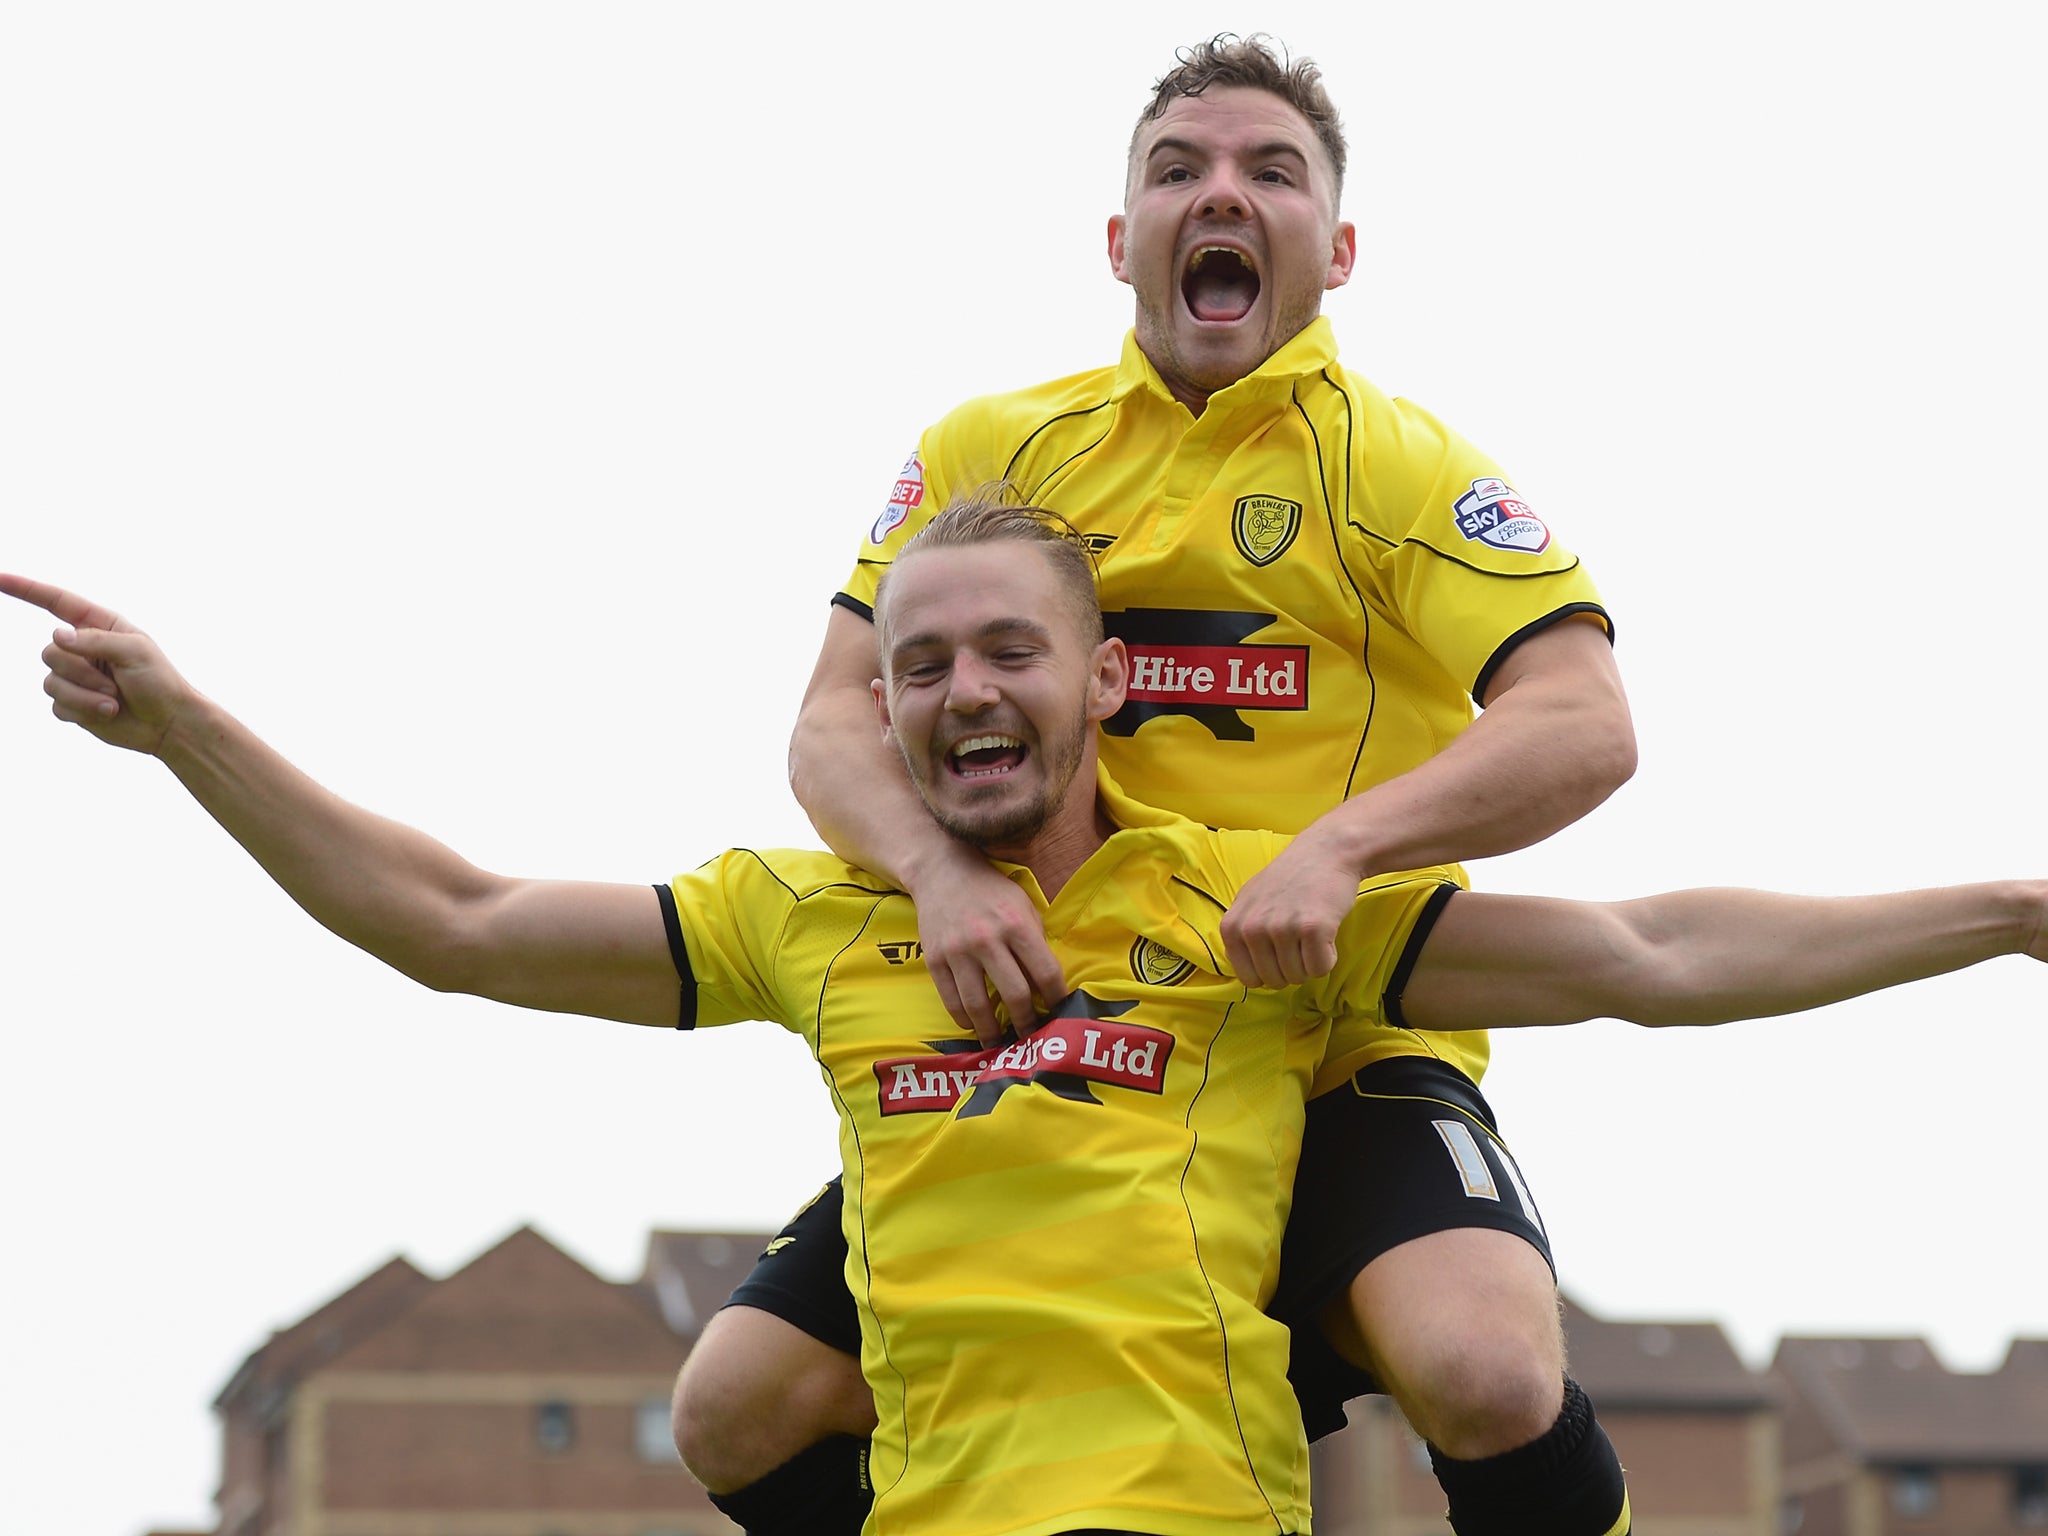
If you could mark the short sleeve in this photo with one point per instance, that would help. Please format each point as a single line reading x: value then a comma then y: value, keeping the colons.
x: 730, y: 917
x: 962, y: 452
x: 1468, y: 564
x: 909, y: 506
x: 1377, y: 944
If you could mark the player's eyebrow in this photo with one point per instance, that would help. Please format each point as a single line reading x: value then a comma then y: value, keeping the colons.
x: 928, y: 639
x: 1269, y: 150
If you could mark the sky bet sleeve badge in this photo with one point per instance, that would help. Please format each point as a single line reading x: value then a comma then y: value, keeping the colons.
x: 1492, y: 514
x: 904, y: 497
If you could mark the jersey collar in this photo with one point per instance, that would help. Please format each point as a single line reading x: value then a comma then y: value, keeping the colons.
x: 1308, y: 352
x: 1139, y: 827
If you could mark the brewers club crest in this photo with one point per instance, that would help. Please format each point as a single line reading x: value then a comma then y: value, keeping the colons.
x: 1264, y: 526
x: 1156, y: 965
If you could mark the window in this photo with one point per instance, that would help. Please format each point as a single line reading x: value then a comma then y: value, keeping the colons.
x: 1915, y: 1491
x: 2030, y: 1498
x: 555, y: 1427
x: 653, y: 1436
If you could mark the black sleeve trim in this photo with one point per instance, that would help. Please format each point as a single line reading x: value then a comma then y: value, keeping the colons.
x: 1570, y: 610
x: 678, y: 951
x: 1390, y: 1000
x: 853, y: 605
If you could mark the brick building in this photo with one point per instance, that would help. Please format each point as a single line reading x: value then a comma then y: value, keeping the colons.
x: 521, y: 1396
x: 524, y: 1395
x: 1882, y: 1439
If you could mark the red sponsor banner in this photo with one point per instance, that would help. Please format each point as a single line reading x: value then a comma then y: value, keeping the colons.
x: 1228, y: 676
x: 1100, y: 1050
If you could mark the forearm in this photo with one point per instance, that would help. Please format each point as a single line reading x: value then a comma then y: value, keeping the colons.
x: 390, y: 890
x: 385, y: 888
x: 1704, y: 956
x: 1711, y: 956
x: 853, y: 786
x: 1533, y: 763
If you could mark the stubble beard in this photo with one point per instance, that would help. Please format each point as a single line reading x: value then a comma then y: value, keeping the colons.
x: 1157, y: 340
x: 1161, y: 346
x: 1000, y: 828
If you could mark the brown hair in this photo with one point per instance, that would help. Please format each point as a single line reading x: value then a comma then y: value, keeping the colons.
x: 1260, y: 64
x: 994, y: 514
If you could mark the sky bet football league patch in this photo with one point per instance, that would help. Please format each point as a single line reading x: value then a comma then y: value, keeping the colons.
x: 1493, y: 515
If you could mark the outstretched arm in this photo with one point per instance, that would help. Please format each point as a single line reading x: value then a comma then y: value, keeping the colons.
x: 978, y: 930
x: 1703, y: 957
x: 386, y: 888
x: 1554, y: 740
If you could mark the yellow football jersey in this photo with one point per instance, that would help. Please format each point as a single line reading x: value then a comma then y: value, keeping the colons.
x: 1060, y: 1247
x: 1314, y: 580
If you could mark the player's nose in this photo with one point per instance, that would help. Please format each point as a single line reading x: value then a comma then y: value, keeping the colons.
x: 971, y: 685
x: 1224, y: 194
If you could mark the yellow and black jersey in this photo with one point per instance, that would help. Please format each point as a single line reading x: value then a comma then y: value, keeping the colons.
x: 1314, y: 580
x: 1060, y: 1246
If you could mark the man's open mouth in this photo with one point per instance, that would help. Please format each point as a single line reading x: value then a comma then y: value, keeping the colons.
x: 984, y: 757
x: 1219, y: 284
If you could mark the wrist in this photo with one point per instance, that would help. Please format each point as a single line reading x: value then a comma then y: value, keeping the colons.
x: 191, y: 733
x: 2025, y: 905
x: 929, y: 856
x: 1353, y: 839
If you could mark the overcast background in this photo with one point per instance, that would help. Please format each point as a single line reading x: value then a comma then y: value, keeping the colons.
x: 484, y: 401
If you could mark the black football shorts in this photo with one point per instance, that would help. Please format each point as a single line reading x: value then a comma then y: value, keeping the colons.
x: 801, y: 1274
x: 1406, y: 1148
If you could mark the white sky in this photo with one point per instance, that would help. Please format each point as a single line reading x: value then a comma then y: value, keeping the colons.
x: 483, y: 401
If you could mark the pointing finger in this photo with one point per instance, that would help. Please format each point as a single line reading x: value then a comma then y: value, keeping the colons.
x: 68, y: 606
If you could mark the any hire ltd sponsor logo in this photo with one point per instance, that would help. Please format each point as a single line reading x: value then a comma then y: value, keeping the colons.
x: 1236, y: 676
x: 1066, y: 1054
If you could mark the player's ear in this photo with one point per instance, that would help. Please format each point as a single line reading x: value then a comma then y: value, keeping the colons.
x: 881, y: 698
x: 1109, y: 680
x: 1343, y: 254
x: 1116, y: 248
